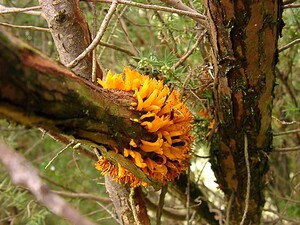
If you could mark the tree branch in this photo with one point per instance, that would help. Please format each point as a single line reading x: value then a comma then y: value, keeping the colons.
x: 24, y: 174
x: 36, y: 91
x: 70, y: 33
x: 29, y: 10
x: 192, y: 14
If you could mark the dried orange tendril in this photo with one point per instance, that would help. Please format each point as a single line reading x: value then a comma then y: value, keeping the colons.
x: 165, y: 116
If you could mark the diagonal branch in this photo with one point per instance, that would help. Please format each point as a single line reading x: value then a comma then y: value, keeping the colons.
x: 24, y: 174
x: 36, y: 91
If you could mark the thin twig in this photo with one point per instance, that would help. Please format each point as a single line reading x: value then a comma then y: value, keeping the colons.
x: 113, y: 215
x: 160, y: 204
x: 58, y: 153
x: 228, y: 208
x: 160, y: 18
x: 110, y: 37
x: 157, y: 7
x: 25, y: 27
x: 188, y: 190
x: 291, y: 6
x: 248, y: 179
x: 286, y: 2
x: 294, y: 42
x: 97, y: 153
x: 94, y: 66
x: 282, y: 217
x: 188, y: 53
x: 178, y: 4
x: 288, y: 149
x: 99, y: 35
x: 83, y: 196
x: 29, y: 10
x: 285, y: 122
x: 287, y: 132
x: 117, y: 48
x: 123, y: 26
x: 133, y: 208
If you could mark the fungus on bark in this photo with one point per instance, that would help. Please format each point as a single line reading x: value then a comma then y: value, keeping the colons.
x: 163, y: 114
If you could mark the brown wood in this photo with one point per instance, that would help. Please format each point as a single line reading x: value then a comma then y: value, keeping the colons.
x: 70, y: 33
x: 243, y: 35
x: 36, y: 91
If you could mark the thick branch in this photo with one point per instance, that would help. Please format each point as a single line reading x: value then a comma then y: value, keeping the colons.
x: 36, y: 91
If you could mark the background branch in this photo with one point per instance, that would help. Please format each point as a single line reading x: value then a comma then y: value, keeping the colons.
x: 24, y: 174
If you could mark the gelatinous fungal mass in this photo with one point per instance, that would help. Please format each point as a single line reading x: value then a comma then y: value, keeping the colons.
x: 166, y: 116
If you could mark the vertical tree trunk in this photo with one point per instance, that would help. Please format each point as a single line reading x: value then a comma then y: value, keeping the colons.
x: 243, y: 35
x: 70, y: 33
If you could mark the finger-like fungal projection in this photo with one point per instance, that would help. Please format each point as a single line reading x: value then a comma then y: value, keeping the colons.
x: 163, y: 114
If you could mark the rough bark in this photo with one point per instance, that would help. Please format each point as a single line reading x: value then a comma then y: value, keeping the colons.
x: 36, y: 91
x: 243, y: 35
x: 70, y: 33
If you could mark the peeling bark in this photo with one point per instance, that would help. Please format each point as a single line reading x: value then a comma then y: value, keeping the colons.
x: 243, y: 35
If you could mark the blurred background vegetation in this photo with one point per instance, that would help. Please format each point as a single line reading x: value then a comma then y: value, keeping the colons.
x: 153, y: 42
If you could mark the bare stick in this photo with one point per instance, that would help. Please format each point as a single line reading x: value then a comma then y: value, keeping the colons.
x: 58, y: 153
x: 286, y: 122
x: 248, y: 179
x: 228, y: 209
x: 178, y: 4
x: 192, y: 14
x: 286, y: 132
x: 294, y: 42
x: 188, y: 53
x: 83, y: 195
x: 286, y: 2
x: 117, y: 48
x: 29, y: 10
x: 25, y: 27
x: 98, y: 37
x: 291, y: 6
x: 24, y: 174
x: 160, y: 204
x: 288, y: 149
x: 94, y: 66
